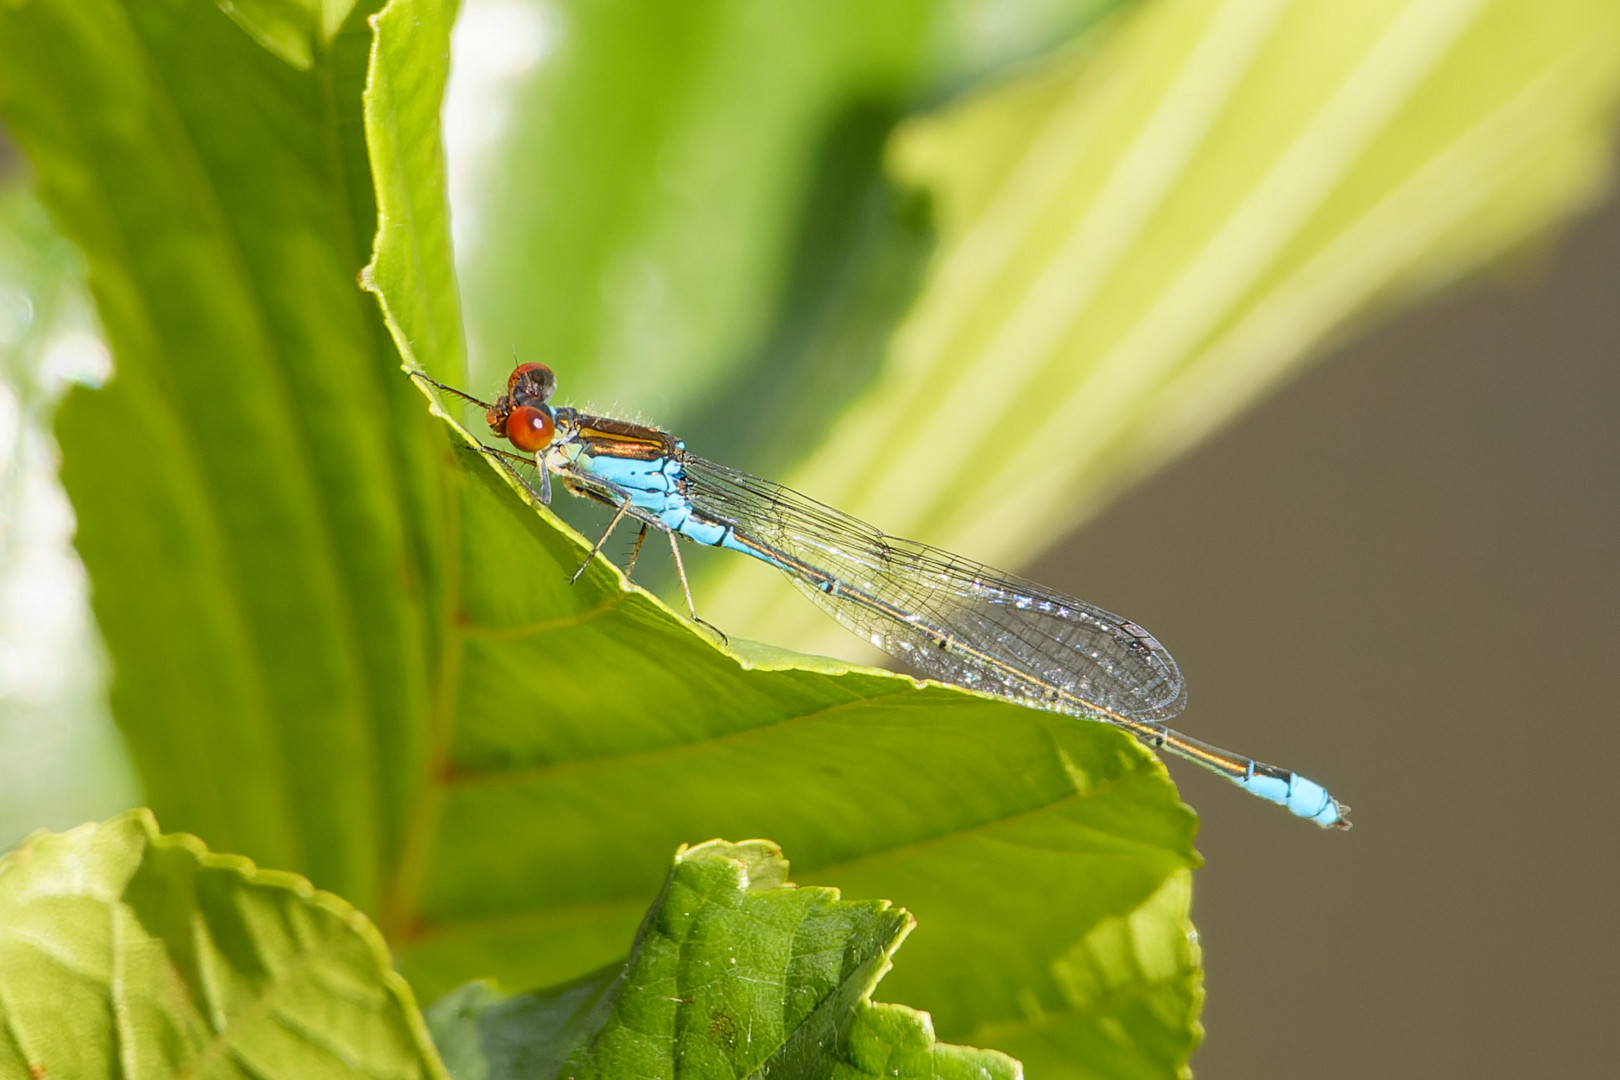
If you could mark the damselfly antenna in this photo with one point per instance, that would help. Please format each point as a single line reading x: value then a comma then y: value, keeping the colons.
x: 452, y: 390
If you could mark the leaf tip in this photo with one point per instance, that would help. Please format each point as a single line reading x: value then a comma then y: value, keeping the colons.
x: 762, y: 863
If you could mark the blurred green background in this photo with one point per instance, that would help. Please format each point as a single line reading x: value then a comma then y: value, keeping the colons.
x: 970, y: 270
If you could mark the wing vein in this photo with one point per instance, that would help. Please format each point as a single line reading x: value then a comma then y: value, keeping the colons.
x: 948, y: 617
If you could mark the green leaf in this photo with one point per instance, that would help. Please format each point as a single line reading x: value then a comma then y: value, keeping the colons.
x: 734, y: 972
x: 411, y: 264
x: 666, y: 218
x: 609, y: 728
x: 1121, y: 983
x: 594, y: 710
x: 291, y: 29
x: 483, y: 1034
x: 259, y: 495
x: 1137, y: 241
x: 344, y: 650
x: 124, y: 951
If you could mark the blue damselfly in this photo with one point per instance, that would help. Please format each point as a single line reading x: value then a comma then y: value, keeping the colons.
x: 948, y: 617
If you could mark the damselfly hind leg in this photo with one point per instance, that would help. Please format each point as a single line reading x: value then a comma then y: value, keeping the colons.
x: 691, y: 608
x: 635, y: 552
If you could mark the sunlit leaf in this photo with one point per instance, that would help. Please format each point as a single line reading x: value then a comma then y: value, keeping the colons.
x: 257, y: 491
x: 591, y: 709
x: 685, y: 207
x: 1137, y: 241
x: 124, y: 951
x: 291, y: 29
x: 1119, y: 984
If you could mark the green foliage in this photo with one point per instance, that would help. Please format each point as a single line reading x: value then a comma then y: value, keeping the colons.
x: 1120, y: 983
x: 1138, y: 239
x: 346, y: 650
x: 733, y: 973
x: 60, y: 759
x: 257, y: 497
x: 346, y: 646
x: 125, y: 952
x: 291, y: 29
x: 687, y: 209
x: 883, y: 788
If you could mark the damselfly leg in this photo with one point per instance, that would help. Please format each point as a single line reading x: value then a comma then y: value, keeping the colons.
x: 680, y: 572
x: 618, y: 516
x: 635, y: 552
x: 504, y: 457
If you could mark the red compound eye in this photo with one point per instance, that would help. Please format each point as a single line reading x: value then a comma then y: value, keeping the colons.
x: 529, y: 428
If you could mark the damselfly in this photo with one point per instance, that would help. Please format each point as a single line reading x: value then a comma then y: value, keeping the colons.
x: 948, y: 617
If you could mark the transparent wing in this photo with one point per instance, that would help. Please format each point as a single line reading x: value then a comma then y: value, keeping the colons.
x: 1005, y: 635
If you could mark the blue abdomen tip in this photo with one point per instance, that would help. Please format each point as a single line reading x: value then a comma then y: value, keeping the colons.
x: 1300, y: 795
x: 1311, y: 801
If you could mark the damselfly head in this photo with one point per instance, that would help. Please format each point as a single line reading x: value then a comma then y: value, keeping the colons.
x: 522, y: 415
x: 531, y: 384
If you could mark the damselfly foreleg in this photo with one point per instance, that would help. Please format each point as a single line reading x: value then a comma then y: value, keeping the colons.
x: 505, y: 456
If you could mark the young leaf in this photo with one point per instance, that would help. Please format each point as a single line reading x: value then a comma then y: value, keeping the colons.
x: 733, y: 973
x: 124, y: 951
